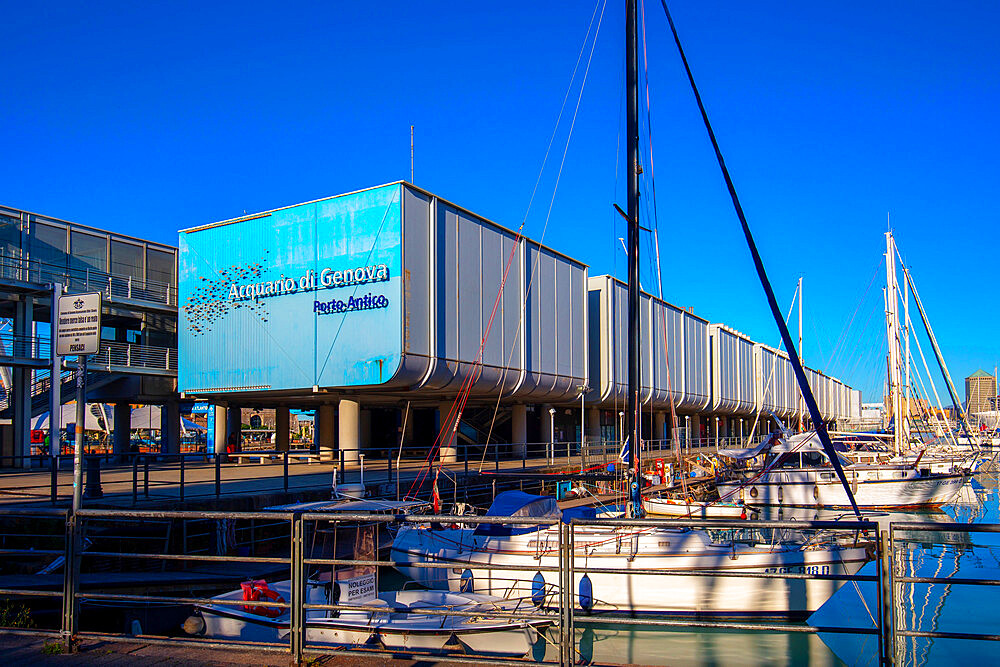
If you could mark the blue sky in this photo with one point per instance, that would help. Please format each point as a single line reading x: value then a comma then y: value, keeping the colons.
x: 147, y: 118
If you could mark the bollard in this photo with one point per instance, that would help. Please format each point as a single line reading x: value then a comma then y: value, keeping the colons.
x: 93, y: 489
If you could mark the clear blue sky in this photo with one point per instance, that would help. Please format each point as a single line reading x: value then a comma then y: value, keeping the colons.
x: 147, y: 118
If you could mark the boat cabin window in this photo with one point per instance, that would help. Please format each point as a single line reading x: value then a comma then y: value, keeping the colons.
x: 786, y: 460
x: 814, y: 459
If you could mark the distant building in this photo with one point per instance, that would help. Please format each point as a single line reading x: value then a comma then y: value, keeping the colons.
x: 872, y: 412
x: 980, y: 388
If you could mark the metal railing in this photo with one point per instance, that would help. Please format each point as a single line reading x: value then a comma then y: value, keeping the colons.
x: 111, y: 353
x: 290, y: 555
x: 896, y: 571
x: 148, y: 474
x: 278, y: 545
x: 88, y: 280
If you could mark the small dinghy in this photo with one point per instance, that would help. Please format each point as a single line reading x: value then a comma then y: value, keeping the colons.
x: 694, y: 509
x: 417, y: 620
x: 396, y: 620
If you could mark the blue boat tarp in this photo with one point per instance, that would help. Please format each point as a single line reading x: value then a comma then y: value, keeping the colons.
x: 519, y: 504
x: 571, y: 513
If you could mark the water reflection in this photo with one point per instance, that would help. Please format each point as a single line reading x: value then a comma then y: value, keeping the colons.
x: 934, y: 607
x: 924, y: 606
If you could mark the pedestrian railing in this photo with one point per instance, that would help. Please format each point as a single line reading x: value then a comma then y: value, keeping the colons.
x: 213, y: 552
x: 113, y: 286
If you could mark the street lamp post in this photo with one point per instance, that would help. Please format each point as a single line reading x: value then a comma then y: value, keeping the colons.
x: 687, y: 432
x: 717, y: 433
x: 552, y: 434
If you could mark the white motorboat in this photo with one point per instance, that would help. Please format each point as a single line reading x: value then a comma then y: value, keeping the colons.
x: 694, y: 509
x: 399, y: 620
x: 797, y: 472
x: 681, y: 558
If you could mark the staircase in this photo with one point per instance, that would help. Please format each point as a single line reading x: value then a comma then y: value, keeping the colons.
x: 40, y: 390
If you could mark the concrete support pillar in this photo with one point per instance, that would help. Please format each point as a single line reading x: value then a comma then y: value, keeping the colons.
x: 448, y: 451
x: 170, y: 428
x: 349, y: 416
x: 234, y: 427
x: 219, y: 429
x: 282, y: 439
x: 519, y: 430
x: 659, y: 425
x: 122, y: 428
x: 21, y: 382
x: 695, y: 429
x: 323, y: 432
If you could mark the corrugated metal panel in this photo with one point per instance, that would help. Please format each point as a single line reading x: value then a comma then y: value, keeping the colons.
x: 670, y: 339
x: 543, y: 356
x: 733, y: 378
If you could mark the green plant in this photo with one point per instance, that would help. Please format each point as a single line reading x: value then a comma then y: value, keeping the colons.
x: 15, y: 615
x: 53, y: 648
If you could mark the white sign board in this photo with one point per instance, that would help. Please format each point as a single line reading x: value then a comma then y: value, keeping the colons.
x: 358, y: 589
x: 79, y: 328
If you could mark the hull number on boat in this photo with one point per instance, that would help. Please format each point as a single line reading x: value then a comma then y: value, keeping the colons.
x: 799, y: 569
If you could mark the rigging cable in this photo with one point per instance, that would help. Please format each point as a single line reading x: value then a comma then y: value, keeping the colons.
x: 807, y: 394
x: 455, y: 414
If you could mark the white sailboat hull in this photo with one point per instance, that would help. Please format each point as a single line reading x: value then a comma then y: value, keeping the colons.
x: 812, y: 488
x: 686, y: 552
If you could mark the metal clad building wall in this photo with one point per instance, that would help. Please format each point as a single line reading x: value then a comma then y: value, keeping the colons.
x: 697, y: 381
x: 733, y: 381
x: 454, y: 274
x: 670, y: 339
x: 255, y: 314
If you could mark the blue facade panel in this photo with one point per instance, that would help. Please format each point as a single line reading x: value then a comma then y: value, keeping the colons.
x: 309, y: 295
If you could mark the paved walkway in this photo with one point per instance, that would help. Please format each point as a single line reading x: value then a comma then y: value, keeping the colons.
x: 122, y: 484
x: 37, y: 651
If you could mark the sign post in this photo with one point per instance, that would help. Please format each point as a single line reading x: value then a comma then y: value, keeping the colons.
x: 55, y: 401
x: 78, y: 333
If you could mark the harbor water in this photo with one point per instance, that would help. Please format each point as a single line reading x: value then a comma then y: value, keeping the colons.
x: 926, y: 607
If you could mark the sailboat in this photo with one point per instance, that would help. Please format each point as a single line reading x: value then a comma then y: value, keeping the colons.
x: 798, y: 472
x: 670, y: 564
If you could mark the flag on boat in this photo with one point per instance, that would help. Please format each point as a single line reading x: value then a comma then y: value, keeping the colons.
x: 623, y: 454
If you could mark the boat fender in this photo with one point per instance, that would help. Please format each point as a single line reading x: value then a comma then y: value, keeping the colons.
x: 258, y: 591
x: 538, y: 589
x: 741, y: 494
x: 815, y: 493
x: 781, y: 495
x: 194, y: 625
x: 586, y: 593
x: 753, y: 492
x: 467, y: 584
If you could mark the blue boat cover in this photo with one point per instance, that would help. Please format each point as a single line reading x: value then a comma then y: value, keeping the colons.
x: 518, y: 503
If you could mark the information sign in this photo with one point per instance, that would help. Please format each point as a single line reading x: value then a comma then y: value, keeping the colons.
x: 79, y: 324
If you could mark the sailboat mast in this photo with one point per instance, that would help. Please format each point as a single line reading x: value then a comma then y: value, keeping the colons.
x: 892, y: 338
x: 632, y: 131
x: 800, y: 348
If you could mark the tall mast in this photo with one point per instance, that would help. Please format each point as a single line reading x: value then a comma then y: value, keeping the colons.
x: 800, y: 348
x: 906, y: 354
x: 632, y: 130
x: 892, y: 337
